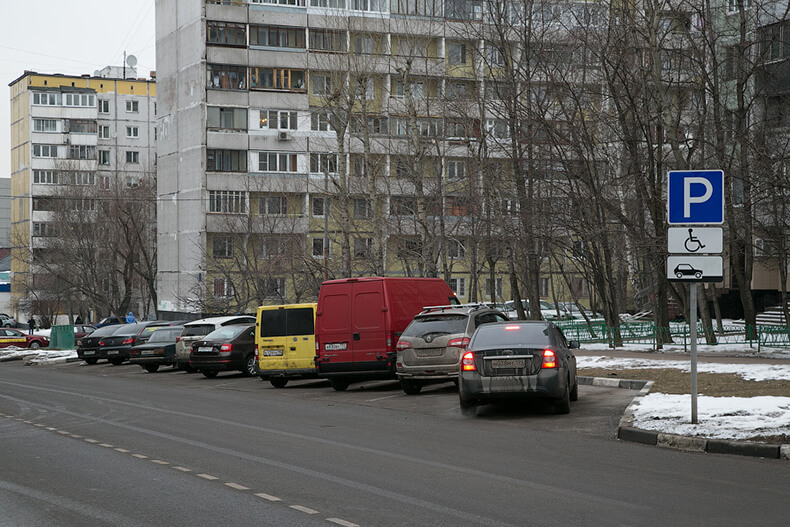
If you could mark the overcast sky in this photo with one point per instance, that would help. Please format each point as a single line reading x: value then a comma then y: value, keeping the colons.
x: 72, y: 37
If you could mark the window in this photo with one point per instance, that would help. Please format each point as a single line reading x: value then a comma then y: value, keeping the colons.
x: 318, y: 248
x: 361, y: 208
x: 368, y: 5
x: 321, y: 84
x: 364, y: 45
x: 218, y: 160
x: 499, y: 284
x: 277, y: 162
x: 104, y: 132
x: 497, y: 128
x: 45, y: 151
x: 464, y: 9
x: 82, y: 152
x: 456, y: 53
x: 278, y: 119
x: 494, y: 56
x: 84, y: 178
x: 226, y: 77
x: 365, y: 87
x: 459, y: 89
x: 104, y: 157
x: 41, y: 203
x: 402, y: 206
x: 132, y: 107
x: 325, y: 40
x: 80, y: 126
x: 224, y: 33
x: 132, y: 132
x: 46, y: 99
x: 579, y: 288
x: 510, y: 206
x: 277, y: 79
x: 732, y: 5
x: 227, y: 201
x: 376, y: 125
x: 44, y: 229
x: 458, y: 285
x: 226, y: 118
x: 402, y: 167
x: 45, y: 177
x: 133, y: 156
x: 292, y: 3
x: 333, y: 4
x: 323, y: 163
x: 133, y: 181
x: 455, y: 249
x: 320, y: 207
x: 418, y: 7
x: 104, y: 182
x: 79, y: 99
x: 272, y: 205
x: 319, y: 121
x: 456, y: 169
x: 277, y: 36
x: 362, y: 247
x: 417, y: 90
x: 409, y: 248
x: 273, y: 246
x: 104, y: 106
x: 222, y: 247
x: 45, y: 125
x: 223, y: 288
x: 273, y: 288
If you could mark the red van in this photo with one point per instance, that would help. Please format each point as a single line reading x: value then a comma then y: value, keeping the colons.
x: 358, y: 322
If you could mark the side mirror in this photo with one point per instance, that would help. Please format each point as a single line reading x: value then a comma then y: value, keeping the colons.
x: 574, y: 345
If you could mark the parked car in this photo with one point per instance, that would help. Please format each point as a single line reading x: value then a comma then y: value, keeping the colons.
x: 7, y: 321
x: 547, y: 310
x: 359, y: 320
x: 88, y: 348
x: 430, y: 348
x: 285, y: 343
x: 227, y: 348
x: 159, y: 348
x: 80, y: 330
x: 117, y: 347
x: 200, y: 328
x: 524, y: 358
x: 109, y: 321
x: 13, y: 337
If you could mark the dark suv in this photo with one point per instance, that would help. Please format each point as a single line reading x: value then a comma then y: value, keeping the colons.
x: 430, y: 348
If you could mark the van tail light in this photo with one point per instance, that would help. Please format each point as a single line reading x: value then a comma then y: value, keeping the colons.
x: 549, y: 359
x: 128, y: 341
x: 256, y: 353
x: 178, y: 339
x: 468, y: 362
x: 458, y: 343
x: 226, y: 347
x: 403, y: 345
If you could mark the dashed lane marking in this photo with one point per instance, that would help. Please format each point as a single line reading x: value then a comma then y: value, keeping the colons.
x: 92, y: 441
x: 268, y: 496
x: 344, y: 523
x: 303, y: 509
x: 207, y: 476
x: 382, y: 398
x: 159, y: 462
x: 139, y: 456
x: 122, y: 450
x: 236, y: 486
x: 63, y: 432
x: 75, y: 436
x: 105, y: 445
x: 183, y: 469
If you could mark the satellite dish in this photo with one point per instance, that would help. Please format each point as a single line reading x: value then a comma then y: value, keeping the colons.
x: 131, y: 60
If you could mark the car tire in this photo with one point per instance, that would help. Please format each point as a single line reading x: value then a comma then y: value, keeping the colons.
x: 250, y: 366
x: 151, y: 368
x: 210, y: 374
x: 563, y: 404
x: 115, y: 362
x: 574, y: 395
x: 410, y: 387
x: 679, y: 275
x: 189, y: 369
x: 339, y: 385
x: 698, y: 275
x: 91, y: 360
x: 278, y: 382
x: 34, y: 345
x: 468, y: 408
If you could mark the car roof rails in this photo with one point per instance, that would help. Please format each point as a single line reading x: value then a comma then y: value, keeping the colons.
x: 474, y: 305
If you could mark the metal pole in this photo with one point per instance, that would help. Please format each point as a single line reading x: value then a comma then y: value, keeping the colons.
x: 693, y: 320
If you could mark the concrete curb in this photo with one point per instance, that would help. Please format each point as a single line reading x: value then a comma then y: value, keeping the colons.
x: 626, y: 431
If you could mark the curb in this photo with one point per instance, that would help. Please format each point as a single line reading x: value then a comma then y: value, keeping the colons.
x: 626, y: 430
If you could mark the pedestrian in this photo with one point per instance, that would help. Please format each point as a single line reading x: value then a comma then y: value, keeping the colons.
x: 130, y: 318
x: 31, y: 324
x: 78, y: 320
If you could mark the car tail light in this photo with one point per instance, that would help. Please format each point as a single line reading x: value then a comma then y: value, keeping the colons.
x: 178, y: 339
x: 128, y: 341
x: 403, y: 345
x: 458, y: 343
x: 256, y: 353
x: 468, y: 362
x: 549, y: 359
x: 135, y: 352
x: 101, y: 343
x: 226, y: 347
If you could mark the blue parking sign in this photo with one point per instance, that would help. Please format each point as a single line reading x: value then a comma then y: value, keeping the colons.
x: 695, y: 197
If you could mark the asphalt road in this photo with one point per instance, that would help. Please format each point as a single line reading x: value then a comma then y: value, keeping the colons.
x: 102, y: 445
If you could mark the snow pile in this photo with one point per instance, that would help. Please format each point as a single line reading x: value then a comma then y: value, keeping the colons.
x: 749, y: 372
x: 36, y: 356
x: 722, y: 348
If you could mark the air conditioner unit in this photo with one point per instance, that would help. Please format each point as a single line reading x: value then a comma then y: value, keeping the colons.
x: 283, y: 136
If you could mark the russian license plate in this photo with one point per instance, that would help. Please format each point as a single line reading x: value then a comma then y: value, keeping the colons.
x: 508, y: 363
x: 272, y: 353
x: 205, y: 348
x: 88, y: 353
x: 336, y: 346
x: 148, y: 352
x: 115, y: 352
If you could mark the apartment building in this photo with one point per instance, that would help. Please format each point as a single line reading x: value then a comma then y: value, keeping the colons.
x: 71, y: 135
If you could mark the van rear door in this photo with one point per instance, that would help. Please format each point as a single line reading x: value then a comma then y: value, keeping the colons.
x: 369, y: 326
x: 333, y: 330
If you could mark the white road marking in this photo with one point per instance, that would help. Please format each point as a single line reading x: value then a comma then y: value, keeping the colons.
x: 206, y: 476
x: 268, y: 497
x: 51, y: 429
x: 183, y: 469
x: 122, y: 450
x: 40, y: 425
x: 139, y: 456
x: 236, y: 486
x: 387, y: 397
x: 63, y: 432
x: 75, y: 436
x: 91, y: 440
x: 105, y: 445
x: 159, y: 462
x: 304, y: 509
x: 344, y: 523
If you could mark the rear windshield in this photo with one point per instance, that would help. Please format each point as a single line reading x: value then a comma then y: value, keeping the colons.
x: 129, y: 329
x: 447, y: 324
x: 284, y: 322
x: 165, y: 335
x: 198, y: 330
x: 105, y: 330
x: 505, y: 334
x: 226, y: 333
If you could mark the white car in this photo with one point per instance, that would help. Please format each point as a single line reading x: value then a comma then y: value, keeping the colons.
x: 547, y: 310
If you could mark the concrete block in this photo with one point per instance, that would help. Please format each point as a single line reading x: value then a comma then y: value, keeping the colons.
x: 743, y: 448
x: 784, y: 451
x: 688, y: 444
x: 637, y: 435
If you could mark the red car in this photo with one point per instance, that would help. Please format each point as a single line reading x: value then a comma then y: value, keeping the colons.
x: 13, y: 337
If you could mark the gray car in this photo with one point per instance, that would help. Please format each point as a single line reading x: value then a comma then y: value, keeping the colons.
x: 518, y: 359
x: 430, y: 348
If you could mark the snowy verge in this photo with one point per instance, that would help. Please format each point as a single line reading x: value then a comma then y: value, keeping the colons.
x: 749, y: 372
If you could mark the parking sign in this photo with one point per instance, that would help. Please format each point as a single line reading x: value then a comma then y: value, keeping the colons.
x: 695, y: 197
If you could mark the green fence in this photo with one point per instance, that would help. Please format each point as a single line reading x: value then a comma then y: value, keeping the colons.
x: 62, y: 337
x: 646, y: 333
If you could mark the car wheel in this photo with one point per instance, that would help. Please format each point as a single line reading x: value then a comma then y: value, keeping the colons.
x: 574, y: 396
x: 410, y: 387
x: 151, y: 368
x: 698, y: 275
x: 92, y: 360
x: 563, y: 404
x: 278, y: 382
x: 115, y: 362
x: 468, y: 408
x: 34, y: 345
x: 189, y: 369
x: 339, y: 385
x: 209, y: 373
x: 250, y: 367
x: 679, y: 275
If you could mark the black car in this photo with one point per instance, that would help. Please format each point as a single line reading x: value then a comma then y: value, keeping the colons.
x: 226, y: 348
x: 159, y: 348
x: 525, y: 358
x: 118, y: 346
x: 88, y: 346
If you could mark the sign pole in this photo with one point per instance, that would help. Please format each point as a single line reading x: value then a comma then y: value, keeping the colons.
x: 693, y: 320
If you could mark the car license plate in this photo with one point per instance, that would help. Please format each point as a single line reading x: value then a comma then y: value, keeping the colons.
x: 88, y: 353
x: 508, y: 363
x: 112, y: 352
x: 272, y: 353
x: 336, y: 346
x: 148, y: 352
x: 205, y: 348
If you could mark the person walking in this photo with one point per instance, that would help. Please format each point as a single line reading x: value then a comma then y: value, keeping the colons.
x: 31, y: 324
x: 78, y: 320
x: 130, y: 318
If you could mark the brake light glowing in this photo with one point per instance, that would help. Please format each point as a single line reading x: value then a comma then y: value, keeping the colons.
x: 226, y: 347
x: 404, y: 345
x: 512, y: 328
x: 128, y: 341
x: 549, y: 359
x: 458, y: 343
x: 468, y: 362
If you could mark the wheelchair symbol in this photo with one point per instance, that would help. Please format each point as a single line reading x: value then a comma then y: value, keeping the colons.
x: 692, y: 243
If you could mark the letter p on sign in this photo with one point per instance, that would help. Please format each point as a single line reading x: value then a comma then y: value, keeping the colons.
x: 695, y: 197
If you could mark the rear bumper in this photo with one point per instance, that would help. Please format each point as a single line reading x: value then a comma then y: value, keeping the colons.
x: 546, y: 383
x: 296, y: 373
x: 430, y: 373
x: 153, y: 360
x: 217, y: 363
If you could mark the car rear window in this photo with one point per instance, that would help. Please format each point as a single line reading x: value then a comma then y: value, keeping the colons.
x: 128, y: 330
x: 105, y: 330
x: 226, y: 333
x: 198, y: 330
x: 522, y: 335
x: 164, y: 335
x: 447, y: 324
